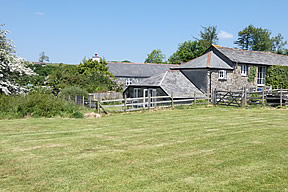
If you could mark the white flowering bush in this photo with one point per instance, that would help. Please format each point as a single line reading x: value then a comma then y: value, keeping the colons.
x: 11, y: 67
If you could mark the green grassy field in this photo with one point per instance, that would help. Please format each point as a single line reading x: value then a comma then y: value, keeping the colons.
x: 196, y: 149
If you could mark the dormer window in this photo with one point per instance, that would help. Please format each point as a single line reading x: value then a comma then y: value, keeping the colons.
x: 222, y: 74
x: 243, y: 70
x: 128, y: 81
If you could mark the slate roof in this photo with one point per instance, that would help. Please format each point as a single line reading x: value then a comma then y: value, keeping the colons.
x: 253, y: 57
x: 207, y: 61
x: 143, y: 70
x: 172, y: 81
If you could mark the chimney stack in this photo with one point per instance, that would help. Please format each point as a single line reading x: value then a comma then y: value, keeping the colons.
x: 96, y: 58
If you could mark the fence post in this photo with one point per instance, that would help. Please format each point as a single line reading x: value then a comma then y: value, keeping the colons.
x: 172, y: 101
x: 149, y: 101
x: 214, y: 97
x: 194, y: 98
x: 281, y: 97
x: 90, y: 102
x: 98, y: 106
x: 242, y: 97
x: 125, y: 103
x: 83, y: 101
x: 263, y: 93
x: 76, y: 99
x: 245, y: 96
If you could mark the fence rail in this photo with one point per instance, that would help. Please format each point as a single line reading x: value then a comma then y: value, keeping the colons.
x: 132, y: 104
x: 273, y: 97
x: 263, y: 97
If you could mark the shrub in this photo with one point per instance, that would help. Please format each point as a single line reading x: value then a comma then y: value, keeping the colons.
x: 35, y: 105
x: 77, y: 114
x: 73, y: 91
x: 277, y: 76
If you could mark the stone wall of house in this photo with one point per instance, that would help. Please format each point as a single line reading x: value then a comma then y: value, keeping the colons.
x: 234, y: 80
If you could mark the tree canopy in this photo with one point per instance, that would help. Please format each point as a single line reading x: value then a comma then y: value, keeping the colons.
x: 156, y: 56
x: 187, y: 51
x: 209, y: 34
x: 90, y: 75
x: 259, y: 39
x: 12, y: 68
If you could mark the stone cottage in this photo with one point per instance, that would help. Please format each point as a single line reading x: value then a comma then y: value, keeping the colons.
x: 219, y: 67
x: 228, y: 68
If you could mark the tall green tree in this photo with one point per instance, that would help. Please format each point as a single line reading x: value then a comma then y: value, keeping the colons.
x: 259, y: 39
x: 209, y: 34
x: 187, y: 51
x: 279, y: 44
x: 156, y: 56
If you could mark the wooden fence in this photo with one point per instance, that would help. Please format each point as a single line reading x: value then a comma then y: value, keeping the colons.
x: 272, y: 97
x: 133, y: 104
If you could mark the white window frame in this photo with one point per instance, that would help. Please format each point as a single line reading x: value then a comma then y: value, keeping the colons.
x: 244, y: 70
x: 128, y: 81
x: 261, y: 73
x: 136, y: 92
x: 222, y: 74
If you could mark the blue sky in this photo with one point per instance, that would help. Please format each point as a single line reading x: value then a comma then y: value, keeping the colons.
x: 129, y: 29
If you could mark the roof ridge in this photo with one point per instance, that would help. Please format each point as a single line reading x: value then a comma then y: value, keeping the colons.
x: 142, y: 63
x: 244, y: 50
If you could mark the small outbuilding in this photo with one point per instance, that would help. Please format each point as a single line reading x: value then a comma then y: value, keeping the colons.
x: 170, y: 83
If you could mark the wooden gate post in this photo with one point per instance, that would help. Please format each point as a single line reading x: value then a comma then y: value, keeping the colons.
x: 83, y: 101
x: 90, y: 102
x: 172, y: 100
x: 98, y: 106
x: 215, y: 97
x: 263, y: 94
x: 242, y: 97
x: 281, y: 97
x: 245, y: 96
x: 149, y: 101
x: 125, y: 103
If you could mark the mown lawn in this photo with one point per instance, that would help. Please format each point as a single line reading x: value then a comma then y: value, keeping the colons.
x: 196, y: 149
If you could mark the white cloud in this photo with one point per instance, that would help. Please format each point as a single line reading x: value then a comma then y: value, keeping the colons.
x: 39, y: 13
x: 225, y: 35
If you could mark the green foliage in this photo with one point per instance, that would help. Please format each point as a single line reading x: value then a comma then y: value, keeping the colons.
x: 156, y: 56
x: 258, y: 39
x: 98, y: 78
x: 209, y: 34
x: 90, y: 75
x: 77, y: 114
x: 35, y: 105
x: 126, y: 61
x: 252, y: 74
x: 73, y: 91
x: 188, y: 51
x: 279, y: 44
x: 277, y: 76
x: 41, y: 72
